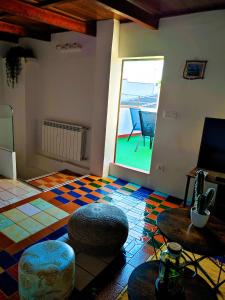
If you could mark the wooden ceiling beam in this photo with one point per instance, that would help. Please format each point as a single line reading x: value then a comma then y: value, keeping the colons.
x: 46, y: 3
x: 31, y: 12
x: 13, y: 29
x: 21, y: 31
x: 131, y: 11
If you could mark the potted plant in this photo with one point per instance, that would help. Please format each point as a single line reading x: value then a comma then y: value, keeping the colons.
x: 200, y: 212
x: 14, y: 64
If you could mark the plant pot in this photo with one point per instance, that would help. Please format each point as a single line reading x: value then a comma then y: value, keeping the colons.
x: 199, y: 220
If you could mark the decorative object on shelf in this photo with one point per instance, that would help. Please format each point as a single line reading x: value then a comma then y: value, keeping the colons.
x: 194, y: 69
x: 13, y: 63
x: 200, y: 212
x: 169, y: 284
x: 69, y: 47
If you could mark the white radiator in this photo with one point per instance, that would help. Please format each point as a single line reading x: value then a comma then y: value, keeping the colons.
x: 63, y: 141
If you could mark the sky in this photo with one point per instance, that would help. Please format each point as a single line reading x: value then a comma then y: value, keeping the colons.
x: 147, y: 71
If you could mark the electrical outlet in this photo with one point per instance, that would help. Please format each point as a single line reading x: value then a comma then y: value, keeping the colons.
x: 160, y: 167
x: 169, y: 114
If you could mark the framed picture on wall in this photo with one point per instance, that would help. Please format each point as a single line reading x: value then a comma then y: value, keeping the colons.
x: 194, y: 69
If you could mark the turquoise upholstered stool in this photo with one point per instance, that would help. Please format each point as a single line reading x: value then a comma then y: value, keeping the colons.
x: 47, y: 271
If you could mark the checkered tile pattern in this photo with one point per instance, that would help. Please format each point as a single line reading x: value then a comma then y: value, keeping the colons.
x: 45, y: 217
x: 51, y: 181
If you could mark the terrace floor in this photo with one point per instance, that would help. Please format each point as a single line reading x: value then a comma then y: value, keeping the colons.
x: 126, y: 155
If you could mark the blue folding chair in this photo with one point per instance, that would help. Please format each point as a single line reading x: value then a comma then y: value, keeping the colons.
x: 135, y: 118
x: 147, y: 122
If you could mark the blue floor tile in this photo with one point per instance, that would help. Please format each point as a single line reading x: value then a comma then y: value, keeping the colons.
x: 6, y: 260
x: 7, y: 284
x: 61, y: 199
x: 69, y: 187
x: 80, y: 202
x: 57, y: 191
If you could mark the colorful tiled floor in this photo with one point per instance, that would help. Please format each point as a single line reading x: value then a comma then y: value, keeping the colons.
x: 52, y: 180
x: 12, y: 191
x: 45, y: 217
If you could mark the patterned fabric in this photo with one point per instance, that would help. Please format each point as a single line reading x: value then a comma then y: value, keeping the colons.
x: 47, y: 271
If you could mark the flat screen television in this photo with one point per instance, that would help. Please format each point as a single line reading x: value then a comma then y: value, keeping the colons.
x: 212, y: 149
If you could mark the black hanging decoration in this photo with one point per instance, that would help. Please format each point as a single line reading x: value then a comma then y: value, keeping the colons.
x: 14, y: 65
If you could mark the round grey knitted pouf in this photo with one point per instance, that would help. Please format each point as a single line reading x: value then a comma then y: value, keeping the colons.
x: 99, y: 229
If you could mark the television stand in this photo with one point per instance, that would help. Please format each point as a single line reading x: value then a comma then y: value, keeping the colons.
x: 220, y: 179
x: 214, y: 177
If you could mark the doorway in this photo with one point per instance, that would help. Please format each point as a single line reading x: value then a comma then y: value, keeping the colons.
x: 139, y: 99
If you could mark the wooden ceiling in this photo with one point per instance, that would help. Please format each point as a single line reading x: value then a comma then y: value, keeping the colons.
x: 39, y: 18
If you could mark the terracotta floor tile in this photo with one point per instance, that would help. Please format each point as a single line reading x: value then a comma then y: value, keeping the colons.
x: 148, y: 249
x: 169, y: 204
x: 41, y: 234
x: 63, y: 189
x: 16, y: 247
x: 99, y: 183
x: 80, y: 192
x: 106, y: 190
x: 116, y: 185
x: 152, y: 202
x: 48, y: 195
x: 97, y: 194
x: 158, y: 197
x: 14, y: 297
x: 49, y: 185
x: 76, y: 186
x: 94, y: 177
x: 68, y: 197
x: 152, y: 216
x: 107, y: 179
x: 3, y: 296
x: 70, y: 207
x: 85, y: 199
x: 150, y: 227
x: 13, y: 271
x: 159, y: 209
x: 5, y: 242
x: 90, y: 187
x: 55, y: 202
x: 84, y: 180
x: 159, y: 238
x: 59, y: 224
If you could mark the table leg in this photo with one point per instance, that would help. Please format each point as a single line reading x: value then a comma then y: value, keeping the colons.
x: 186, y: 191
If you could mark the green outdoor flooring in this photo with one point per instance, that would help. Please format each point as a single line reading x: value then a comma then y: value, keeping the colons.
x: 126, y: 155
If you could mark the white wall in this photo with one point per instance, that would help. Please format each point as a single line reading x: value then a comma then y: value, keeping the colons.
x: 56, y: 86
x: 6, y: 127
x: 68, y: 87
x: 105, y: 104
x: 113, y: 101
x: 195, y: 36
x: 59, y: 87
